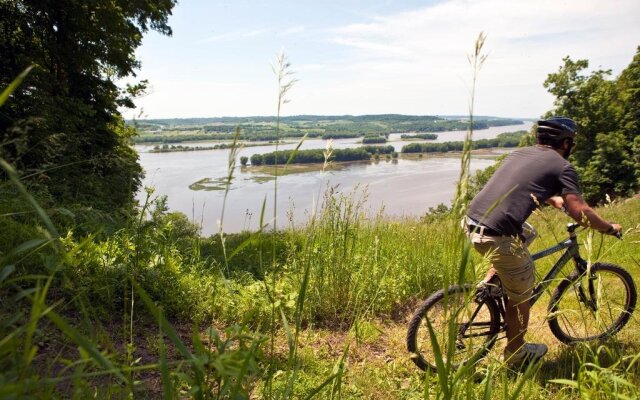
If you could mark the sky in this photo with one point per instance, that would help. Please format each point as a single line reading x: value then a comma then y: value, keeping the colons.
x: 376, y: 57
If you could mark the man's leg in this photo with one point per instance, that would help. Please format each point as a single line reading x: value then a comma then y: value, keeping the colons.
x: 490, y: 274
x: 517, y: 319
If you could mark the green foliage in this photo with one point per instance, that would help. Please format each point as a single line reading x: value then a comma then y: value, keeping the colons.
x: 511, y: 139
x: 608, y: 116
x: 611, y: 170
x: 426, y: 136
x: 256, y: 159
x: 354, y: 269
x: 249, y: 252
x: 529, y: 139
x: 65, y: 133
x: 436, y: 213
x: 317, y: 155
x: 378, y: 149
x: 374, y: 139
x: 326, y: 127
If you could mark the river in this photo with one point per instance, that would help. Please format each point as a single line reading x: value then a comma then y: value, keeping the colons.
x: 403, y: 187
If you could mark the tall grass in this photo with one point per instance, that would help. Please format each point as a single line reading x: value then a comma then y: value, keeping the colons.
x: 321, y: 315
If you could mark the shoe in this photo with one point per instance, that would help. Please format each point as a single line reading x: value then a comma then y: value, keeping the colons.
x: 527, y: 354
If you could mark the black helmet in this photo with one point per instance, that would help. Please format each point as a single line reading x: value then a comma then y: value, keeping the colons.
x: 557, y: 128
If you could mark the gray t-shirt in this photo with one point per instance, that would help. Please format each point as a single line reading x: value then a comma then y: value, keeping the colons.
x: 526, y: 173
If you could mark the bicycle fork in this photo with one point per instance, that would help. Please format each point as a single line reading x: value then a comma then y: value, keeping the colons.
x: 591, y: 301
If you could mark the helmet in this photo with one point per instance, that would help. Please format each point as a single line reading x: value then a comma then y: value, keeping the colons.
x: 557, y: 128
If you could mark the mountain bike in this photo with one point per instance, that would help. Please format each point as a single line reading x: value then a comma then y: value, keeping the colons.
x: 592, y: 303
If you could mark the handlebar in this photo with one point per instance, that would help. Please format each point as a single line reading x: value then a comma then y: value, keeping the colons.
x: 571, y: 228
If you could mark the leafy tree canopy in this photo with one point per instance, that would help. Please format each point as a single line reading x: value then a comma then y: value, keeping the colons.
x: 608, y: 114
x: 62, y: 129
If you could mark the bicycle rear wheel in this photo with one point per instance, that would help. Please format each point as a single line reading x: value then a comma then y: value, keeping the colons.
x: 592, y: 306
x: 464, y: 329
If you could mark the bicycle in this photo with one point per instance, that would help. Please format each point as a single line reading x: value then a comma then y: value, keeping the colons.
x: 587, y: 305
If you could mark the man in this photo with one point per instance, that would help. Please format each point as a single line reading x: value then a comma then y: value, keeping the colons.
x: 527, y: 178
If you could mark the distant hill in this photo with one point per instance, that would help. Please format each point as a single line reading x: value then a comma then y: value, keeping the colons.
x: 263, y: 128
x: 180, y: 122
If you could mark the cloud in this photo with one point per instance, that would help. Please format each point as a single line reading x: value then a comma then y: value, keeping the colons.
x: 254, y: 33
x: 411, y: 61
x: 425, y: 48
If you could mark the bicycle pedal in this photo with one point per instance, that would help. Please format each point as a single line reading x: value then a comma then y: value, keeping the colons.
x: 486, y: 290
x: 481, y: 296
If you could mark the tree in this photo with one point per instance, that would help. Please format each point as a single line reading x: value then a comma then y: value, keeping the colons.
x: 611, y: 170
x: 244, y: 160
x: 588, y: 100
x: 62, y: 128
x: 608, y: 115
x: 628, y: 86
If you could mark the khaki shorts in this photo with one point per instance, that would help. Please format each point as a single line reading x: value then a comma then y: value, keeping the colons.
x: 510, y: 257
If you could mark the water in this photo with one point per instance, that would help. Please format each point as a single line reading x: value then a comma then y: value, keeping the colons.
x: 402, y: 187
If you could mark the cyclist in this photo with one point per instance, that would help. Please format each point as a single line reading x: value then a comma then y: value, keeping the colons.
x: 527, y: 178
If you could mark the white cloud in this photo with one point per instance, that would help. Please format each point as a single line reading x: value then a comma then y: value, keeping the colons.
x: 411, y: 62
x: 425, y: 49
x: 254, y: 33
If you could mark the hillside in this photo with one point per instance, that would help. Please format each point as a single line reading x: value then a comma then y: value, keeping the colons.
x: 327, y: 302
x: 329, y: 126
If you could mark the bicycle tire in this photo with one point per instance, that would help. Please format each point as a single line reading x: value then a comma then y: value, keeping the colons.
x: 573, y: 317
x: 438, y: 308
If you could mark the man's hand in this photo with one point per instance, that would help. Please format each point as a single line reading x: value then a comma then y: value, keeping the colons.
x: 586, y: 216
x: 616, y: 230
x: 555, y: 201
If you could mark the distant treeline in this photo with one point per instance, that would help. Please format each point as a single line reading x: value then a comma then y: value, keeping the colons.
x: 167, y: 122
x: 509, y: 139
x: 374, y: 139
x: 315, y: 156
x: 265, y: 137
x: 427, y: 136
x: 388, y: 118
x: 326, y: 127
x: 170, y: 149
x: 165, y: 148
x: 341, y: 135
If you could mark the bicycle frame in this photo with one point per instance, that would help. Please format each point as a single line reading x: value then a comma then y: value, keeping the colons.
x: 572, y: 252
x: 570, y: 245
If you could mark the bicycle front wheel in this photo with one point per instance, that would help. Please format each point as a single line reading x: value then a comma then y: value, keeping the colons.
x: 463, y: 329
x: 593, y: 305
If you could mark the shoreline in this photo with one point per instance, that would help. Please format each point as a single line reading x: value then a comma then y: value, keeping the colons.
x: 293, y: 168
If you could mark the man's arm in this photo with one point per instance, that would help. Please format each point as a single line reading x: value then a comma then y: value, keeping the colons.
x: 586, y: 216
x: 555, y: 201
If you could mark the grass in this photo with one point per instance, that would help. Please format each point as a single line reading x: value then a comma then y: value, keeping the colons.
x: 364, y: 278
x: 271, y: 170
x: 209, y: 184
x: 318, y: 311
